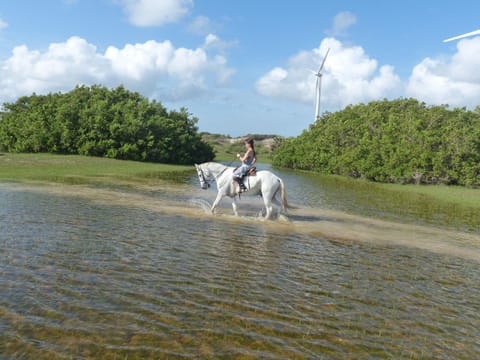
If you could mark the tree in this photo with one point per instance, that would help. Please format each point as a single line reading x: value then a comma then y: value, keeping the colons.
x: 399, y: 141
x: 97, y: 121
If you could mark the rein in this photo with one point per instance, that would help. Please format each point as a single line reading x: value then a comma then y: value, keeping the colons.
x: 221, y: 172
x: 204, y: 179
x: 208, y: 182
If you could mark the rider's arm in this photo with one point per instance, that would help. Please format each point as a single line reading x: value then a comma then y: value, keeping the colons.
x: 245, y: 156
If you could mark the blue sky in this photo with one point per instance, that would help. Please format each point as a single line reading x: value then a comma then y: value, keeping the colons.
x: 243, y: 66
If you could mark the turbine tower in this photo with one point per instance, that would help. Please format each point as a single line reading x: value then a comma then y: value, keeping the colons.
x: 476, y: 32
x: 318, y: 87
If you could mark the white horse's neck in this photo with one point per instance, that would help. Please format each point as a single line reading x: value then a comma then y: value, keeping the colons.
x: 216, y: 169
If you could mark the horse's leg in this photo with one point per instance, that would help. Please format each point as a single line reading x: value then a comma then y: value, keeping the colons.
x: 215, y: 203
x: 234, y: 206
x: 268, y: 207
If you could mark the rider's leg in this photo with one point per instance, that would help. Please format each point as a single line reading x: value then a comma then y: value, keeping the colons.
x: 238, y: 176
x: 242, y: 185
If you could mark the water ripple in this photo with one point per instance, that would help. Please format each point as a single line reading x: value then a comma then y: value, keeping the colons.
x: 86, y: 279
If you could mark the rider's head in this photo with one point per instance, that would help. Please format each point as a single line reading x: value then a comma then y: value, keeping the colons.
x: 249, y: 141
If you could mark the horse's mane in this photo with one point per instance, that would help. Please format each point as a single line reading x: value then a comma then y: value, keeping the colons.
x: 216, y: 164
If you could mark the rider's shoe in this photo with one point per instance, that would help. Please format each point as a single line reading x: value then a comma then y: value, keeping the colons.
x: 241, y: 185
x: 243, y: 188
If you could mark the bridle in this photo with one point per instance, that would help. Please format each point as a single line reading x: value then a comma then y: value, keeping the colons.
x: 203, y: 177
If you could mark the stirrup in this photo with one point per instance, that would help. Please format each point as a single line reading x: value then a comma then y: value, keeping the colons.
x: 241, y: 186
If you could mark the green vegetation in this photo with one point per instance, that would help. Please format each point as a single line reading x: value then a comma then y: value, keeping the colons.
x: 400, y: 141
x: 96, y: 121
x: 226, y: 147
x: 451, y: 195
x: 75, y: 169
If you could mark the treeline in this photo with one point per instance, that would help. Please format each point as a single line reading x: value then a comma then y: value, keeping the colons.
x: 97, y: 121
x: 399, y: 141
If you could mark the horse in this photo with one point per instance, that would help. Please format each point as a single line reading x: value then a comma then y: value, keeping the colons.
x: 263, y: 183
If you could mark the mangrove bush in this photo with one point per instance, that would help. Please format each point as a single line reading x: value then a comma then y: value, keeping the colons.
x: 97, y: 121
x: 399, y: 141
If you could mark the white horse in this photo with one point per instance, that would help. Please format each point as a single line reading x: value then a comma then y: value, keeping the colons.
x: 264, y: 183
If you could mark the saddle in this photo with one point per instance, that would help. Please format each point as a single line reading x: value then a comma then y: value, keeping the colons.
x: 241, y: 186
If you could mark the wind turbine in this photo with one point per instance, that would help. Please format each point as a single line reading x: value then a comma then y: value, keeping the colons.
x: 318, y: 87
x: 476, y: 32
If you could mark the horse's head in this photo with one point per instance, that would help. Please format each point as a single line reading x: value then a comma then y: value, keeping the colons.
x: 204, y: 184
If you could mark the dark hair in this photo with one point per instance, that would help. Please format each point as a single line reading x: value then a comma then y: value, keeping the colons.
x: 250, y: 142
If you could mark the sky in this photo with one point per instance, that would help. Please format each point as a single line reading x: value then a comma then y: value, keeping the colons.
x: 244, y: 67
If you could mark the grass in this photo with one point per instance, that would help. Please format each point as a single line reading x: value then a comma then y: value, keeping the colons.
x: 75, y: 169
x: 452, y: 194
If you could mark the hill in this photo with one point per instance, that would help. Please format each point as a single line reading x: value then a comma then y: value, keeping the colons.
x: 226, y: 147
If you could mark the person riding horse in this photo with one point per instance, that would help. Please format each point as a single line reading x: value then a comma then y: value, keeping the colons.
x: 248, y: 159
x: 265, y: 183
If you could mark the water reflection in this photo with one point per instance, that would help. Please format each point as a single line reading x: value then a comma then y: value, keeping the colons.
x: 85, y: 278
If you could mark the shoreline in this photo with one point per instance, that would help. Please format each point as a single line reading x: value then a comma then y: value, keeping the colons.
x: 77, y: 169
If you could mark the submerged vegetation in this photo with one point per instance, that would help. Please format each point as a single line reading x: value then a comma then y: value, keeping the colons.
x: 96, y: 121
x: 400, y: 141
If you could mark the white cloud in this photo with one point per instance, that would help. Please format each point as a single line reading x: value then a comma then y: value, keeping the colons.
x: 341, y: 22
x: 349, y: 77
x: 155, y: 12
x: 214, y: 42
x: 454, y: 81
x: 155, y: 69
x: 61, y: 66
x: 200, y: 25
x: 3, y: 24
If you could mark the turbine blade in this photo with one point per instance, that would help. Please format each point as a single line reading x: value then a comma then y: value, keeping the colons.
x: 324, y: 58
x: 476, y: 32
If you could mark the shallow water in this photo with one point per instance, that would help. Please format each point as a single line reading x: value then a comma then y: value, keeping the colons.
x: 148, y: 273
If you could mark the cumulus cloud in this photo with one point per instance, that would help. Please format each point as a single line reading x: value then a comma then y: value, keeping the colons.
x: 349, y: 76
x: 155, y: 69
x: 454, y: 81
x: 155, y: 12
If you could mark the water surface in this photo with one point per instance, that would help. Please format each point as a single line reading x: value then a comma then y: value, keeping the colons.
x: 147, y: 273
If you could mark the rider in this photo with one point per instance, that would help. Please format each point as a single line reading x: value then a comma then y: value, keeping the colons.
x: 248, y: 159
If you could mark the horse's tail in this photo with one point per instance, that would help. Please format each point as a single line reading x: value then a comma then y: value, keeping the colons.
x: 283, y: 195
